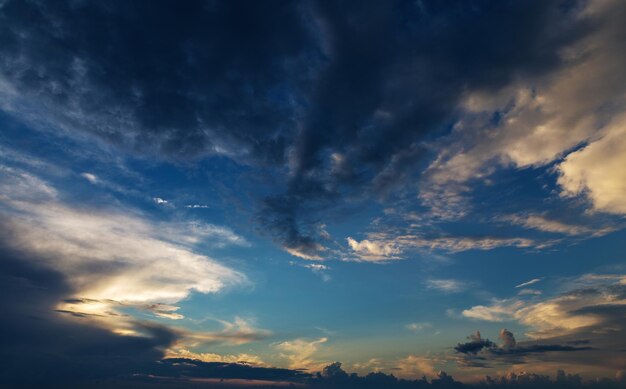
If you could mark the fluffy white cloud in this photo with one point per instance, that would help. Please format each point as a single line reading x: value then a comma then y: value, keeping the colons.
x: 598, y: 170
x: 543, y: 119
x: 92, y: 178
x: 212, y: 357
x: 160, y: 201
x: 368, y: 250
x: 108, y: 256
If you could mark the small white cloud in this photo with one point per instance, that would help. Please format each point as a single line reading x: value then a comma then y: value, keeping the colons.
x: 160, y: 201
x: 316, y: 266
x: 370, y: 250
x: 597, y: 170
x: 528, y: 283
x: 197, y: 206
x: 92, y: 178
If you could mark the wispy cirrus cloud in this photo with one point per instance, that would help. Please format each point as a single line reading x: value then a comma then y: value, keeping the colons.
x: 384, y: 246
x: 446, y: 285
x: 528, y: 283
x: 242, y: 358
x: 110, y: 256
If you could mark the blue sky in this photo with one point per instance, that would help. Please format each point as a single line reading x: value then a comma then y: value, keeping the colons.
x: 285, y: 187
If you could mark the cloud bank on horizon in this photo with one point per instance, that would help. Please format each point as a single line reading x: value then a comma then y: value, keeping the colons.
x: 180, y: 181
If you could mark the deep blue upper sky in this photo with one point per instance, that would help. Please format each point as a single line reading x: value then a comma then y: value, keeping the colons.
x: 295, y: 183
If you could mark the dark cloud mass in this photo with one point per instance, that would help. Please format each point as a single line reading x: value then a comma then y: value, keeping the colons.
x: 339, y: 95
x: 476, y: 344
x: 46, y: 347
x: 484, y: 348
x: 35, y: 337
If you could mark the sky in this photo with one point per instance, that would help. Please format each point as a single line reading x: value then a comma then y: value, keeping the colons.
x: 265, y: 188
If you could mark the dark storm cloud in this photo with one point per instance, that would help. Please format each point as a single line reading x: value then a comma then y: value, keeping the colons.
x: 339, y: 95
x: 36, y: 338
x: 475, y: 345
x: 184, y: 79
x: 44, y: 346
x: 193, y: 368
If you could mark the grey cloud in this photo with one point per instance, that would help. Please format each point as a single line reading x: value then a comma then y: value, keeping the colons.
x: 481, y: 352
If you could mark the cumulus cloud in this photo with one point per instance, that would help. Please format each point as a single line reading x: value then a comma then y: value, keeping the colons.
x: 160, y: 201
x: 475, y: 345
x: 587, y: 319
x: 300, y: 353
x: 535, y: 121
x: 507, y: 338
x: 499, y: 310
x: 596, y: 171
x: 92, y: 178
x: 373, y: 250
